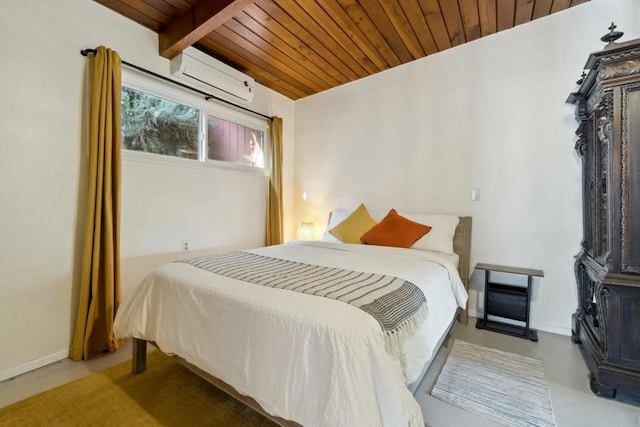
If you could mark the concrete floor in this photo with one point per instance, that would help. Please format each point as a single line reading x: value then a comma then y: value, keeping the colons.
x: 58, y: 373
x: 572, y: 401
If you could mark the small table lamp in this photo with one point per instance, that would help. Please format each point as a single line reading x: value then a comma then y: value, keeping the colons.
x: 306, y: 231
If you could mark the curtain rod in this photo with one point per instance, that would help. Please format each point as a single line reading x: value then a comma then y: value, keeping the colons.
x: 207, y: 96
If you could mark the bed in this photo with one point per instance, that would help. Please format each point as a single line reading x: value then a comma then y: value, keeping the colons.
x: 296, y: 358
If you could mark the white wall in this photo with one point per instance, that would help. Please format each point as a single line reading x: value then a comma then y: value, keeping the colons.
x: 490, y: 114
x: 43, y: 174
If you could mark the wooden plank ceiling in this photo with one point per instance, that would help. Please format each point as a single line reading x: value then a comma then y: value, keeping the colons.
x: 302, y: 47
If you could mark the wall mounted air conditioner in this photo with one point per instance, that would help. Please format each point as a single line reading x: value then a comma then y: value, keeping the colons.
x: 203, y: 72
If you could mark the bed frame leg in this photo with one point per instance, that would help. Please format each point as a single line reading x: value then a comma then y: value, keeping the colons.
x: 139, y: 357
x: 463, y: 317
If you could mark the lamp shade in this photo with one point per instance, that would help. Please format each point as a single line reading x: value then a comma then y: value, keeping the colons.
x: 306, y: 231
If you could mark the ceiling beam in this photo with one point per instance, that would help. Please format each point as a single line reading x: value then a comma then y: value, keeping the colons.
x: 193, y: 25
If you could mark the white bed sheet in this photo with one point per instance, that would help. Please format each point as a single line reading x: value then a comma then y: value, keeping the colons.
x: 316, y: 361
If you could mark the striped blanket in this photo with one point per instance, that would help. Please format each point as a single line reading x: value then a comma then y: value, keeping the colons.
x: 398, y: 306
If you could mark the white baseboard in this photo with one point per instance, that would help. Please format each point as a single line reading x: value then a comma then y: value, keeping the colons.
x: 539, y: 326
x: 35, y: 364
x: 552, y: 329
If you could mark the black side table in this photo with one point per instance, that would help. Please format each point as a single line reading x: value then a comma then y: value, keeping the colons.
x: 507, y: 301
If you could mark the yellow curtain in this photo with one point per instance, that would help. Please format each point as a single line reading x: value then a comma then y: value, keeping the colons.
x: 274, y: 195
x: 100, y: 280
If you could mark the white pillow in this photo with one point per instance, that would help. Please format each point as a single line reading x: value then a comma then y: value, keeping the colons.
x: 439, y: 239
x: 335, y: 218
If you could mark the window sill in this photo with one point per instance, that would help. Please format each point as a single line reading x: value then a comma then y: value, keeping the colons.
x: 142, y: 157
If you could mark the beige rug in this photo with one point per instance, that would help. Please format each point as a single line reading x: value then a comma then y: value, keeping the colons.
x: 167, y: 394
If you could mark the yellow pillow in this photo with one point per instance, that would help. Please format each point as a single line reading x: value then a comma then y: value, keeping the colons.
x: 354, y: 226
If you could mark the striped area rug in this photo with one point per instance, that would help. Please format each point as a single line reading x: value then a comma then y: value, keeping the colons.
x: 505, y: 387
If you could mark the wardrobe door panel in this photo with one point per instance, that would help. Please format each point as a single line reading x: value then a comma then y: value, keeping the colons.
x: 631, y: 178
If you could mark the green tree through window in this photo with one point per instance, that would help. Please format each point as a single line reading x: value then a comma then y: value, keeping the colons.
x: 156, y: 125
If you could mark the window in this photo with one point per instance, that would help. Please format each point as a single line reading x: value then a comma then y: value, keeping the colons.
x: 156, y: 125
x: 162, y: 120
x: 231, y: 142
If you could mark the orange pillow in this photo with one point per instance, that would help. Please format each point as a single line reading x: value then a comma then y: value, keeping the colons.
x: 395, y: 230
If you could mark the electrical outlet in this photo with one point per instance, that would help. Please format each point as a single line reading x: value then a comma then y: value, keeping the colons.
x: 185, y: 246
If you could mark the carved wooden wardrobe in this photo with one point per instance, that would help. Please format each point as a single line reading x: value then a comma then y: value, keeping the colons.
x: 607, y: 321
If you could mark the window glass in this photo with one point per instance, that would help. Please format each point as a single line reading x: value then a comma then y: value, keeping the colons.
x: 161, y: 119
x: 234, y: 143
x: 156, y: 125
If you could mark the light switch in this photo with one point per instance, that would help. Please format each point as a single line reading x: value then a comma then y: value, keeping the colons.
x: 475, y: 194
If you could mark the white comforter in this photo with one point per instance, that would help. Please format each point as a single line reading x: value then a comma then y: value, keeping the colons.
x: 313, y: 360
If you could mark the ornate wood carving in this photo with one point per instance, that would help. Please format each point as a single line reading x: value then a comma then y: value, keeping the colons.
x: 601, y: 294
x: 578, y: 316
x: 589, y: 302
x: 604, y: 134
x: 581, y: 110
x: 625, y: 179
x: 612, y: 35
x: 581, y: 143
x: 581, y: 278
x: 596, y: 174
x: 620, y: 69
x: 608, y: 267
x: 591, y: 197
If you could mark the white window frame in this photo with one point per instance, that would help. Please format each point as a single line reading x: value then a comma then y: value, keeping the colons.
x: 139, y: 81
